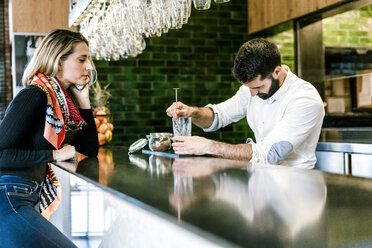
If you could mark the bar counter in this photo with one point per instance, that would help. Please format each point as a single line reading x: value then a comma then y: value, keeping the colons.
x: 350, y: 140
x: 345, y: 151
x: 211, y: 202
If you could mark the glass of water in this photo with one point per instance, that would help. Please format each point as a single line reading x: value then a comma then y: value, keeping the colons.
x: 182, y: 126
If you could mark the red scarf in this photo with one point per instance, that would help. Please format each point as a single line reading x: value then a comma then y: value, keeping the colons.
x: 61, y: 114
x: 74, y: 113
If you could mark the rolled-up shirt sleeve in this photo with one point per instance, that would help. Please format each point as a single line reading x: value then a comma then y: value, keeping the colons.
x: 298, y: 129
x: 216, y: 121
x: 231, y: 110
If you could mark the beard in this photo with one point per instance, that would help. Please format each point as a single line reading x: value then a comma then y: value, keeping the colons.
x: 273, y: 88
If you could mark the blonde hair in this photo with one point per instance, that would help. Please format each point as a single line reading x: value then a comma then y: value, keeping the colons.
x: 56, y: 46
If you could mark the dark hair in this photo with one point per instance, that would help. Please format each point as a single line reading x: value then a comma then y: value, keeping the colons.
x: 256, y: 57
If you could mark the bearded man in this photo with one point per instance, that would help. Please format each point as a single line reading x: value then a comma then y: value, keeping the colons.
x: 284, y: 112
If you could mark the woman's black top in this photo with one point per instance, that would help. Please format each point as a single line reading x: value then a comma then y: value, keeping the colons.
x: 24, y: 151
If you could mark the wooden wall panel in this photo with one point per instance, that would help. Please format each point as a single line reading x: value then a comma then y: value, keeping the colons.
x: 263, y: 14
x: 39, y: 16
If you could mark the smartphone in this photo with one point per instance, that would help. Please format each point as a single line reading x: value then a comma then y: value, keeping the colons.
x: 79, y: 87
x: 94, y: 76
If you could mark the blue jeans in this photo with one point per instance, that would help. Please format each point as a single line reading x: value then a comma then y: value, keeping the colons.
x: 20, y: 224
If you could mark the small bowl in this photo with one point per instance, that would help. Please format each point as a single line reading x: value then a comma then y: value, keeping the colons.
x: 160, y: 142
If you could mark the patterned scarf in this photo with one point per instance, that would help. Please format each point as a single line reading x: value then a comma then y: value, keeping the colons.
x: 61, y: 117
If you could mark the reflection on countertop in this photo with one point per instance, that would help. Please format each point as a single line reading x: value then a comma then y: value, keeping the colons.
x: 213, y: 202
x: 274, y: 201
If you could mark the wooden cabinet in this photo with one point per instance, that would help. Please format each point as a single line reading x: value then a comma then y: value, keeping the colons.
x: 263, y: 14
x: 30, y: 19
x: 39, y: 16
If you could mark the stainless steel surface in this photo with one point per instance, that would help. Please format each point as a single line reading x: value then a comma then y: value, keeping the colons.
x: 350, y: 140
x: 344, y: 147
x: 345, y: 151
x: 166, y: 202
x: 95, y: 218
x: 330, y: 161
x: 347, y: 164
x: 361, y: 165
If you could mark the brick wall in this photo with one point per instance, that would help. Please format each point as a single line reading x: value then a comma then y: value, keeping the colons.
x: 285, y: 42
x: 197, y: 59
x: 350, y: 29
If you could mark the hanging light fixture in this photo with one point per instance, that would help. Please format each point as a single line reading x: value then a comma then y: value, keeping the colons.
x: 117, y: 29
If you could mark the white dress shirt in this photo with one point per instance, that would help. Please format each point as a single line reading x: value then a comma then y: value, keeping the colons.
x: 286, y: 126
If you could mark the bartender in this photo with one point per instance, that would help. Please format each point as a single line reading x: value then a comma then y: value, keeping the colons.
x: 284, y: 112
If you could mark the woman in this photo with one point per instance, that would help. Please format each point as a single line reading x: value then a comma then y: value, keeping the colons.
x: 46, y: 115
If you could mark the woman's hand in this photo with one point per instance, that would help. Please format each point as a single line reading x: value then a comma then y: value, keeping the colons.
x: 81, y: 96
x: 65, y: 153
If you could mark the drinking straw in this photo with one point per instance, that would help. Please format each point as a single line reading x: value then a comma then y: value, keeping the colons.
x: 175, y: 90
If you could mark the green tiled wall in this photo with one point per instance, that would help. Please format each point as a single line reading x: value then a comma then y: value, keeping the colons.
x: 349, y: 29
x: 197, y: 59
x: 285, y: 42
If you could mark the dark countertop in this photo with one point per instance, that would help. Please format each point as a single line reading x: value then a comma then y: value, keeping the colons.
x: 240, y: 203
x: 348, y: 120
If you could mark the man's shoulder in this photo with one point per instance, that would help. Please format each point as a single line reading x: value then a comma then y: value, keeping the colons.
x: 244, y: 91
x: 301, y: 87
x: 302, y: 93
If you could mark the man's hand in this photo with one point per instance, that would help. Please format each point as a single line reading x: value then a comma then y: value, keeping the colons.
x: 178, y: 109
x: 193, y: 145
x: 201, y: 116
